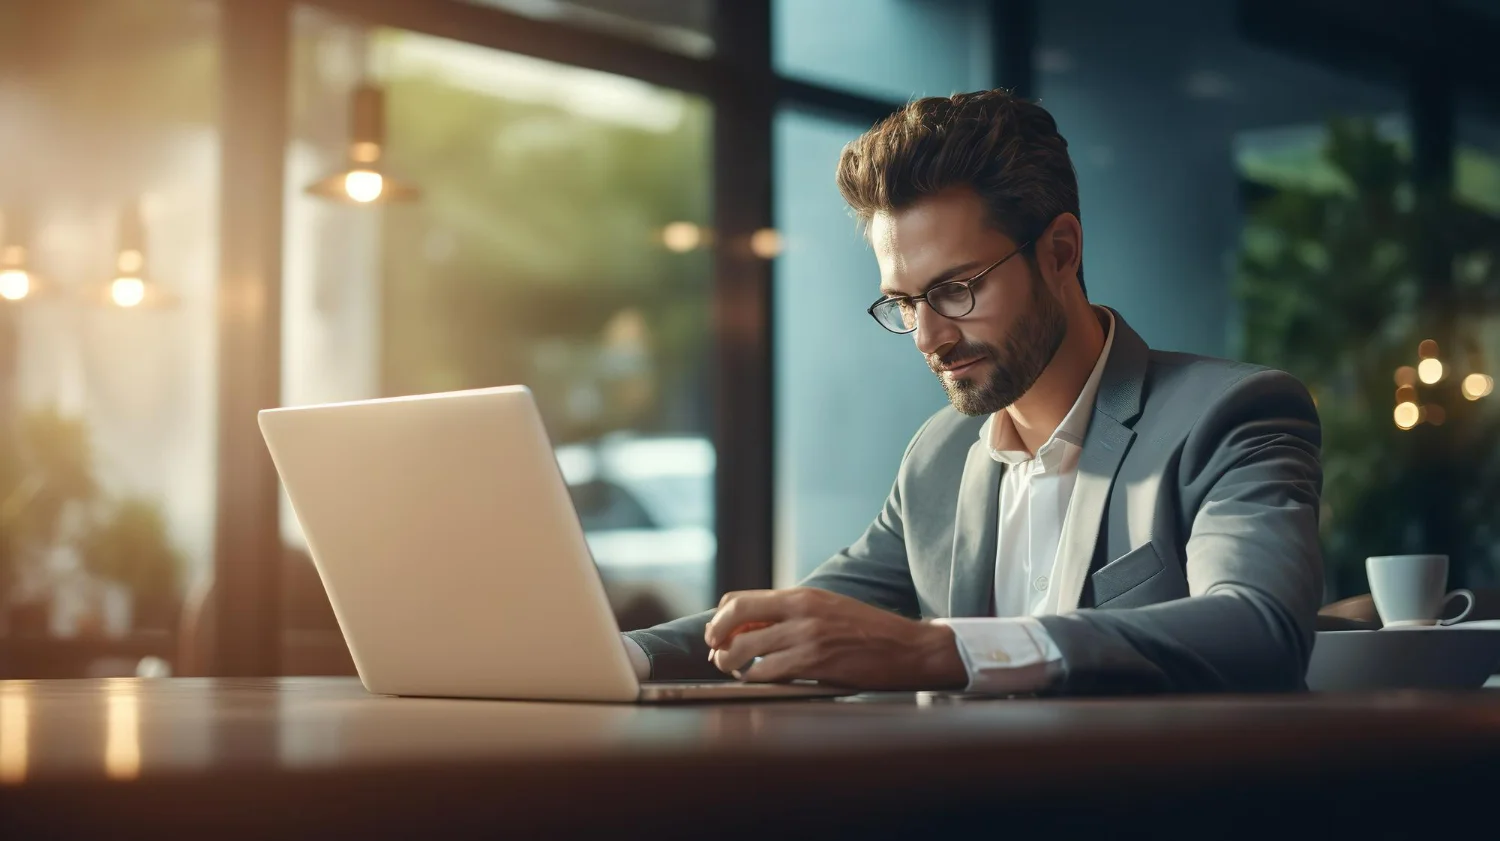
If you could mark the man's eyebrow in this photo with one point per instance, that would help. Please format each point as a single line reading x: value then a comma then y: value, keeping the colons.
x: 950, y: 274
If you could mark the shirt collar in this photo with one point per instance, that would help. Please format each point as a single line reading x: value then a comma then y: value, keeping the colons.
x: 999, y: 432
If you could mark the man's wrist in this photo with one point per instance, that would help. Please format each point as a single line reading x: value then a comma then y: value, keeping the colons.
x: 940, y: 664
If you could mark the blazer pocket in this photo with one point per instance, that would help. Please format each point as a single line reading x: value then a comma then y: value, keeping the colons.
x: 1125, y: 574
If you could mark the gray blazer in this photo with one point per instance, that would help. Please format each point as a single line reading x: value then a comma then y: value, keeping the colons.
x: 1196, y: 504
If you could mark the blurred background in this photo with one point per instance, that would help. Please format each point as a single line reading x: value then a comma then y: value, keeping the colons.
x: 208, y: 207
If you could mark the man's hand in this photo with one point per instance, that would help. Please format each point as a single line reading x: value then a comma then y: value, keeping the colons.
x: 817, y: 635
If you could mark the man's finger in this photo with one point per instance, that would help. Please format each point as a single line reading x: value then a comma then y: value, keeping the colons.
x: 754, y: 606
x: 777, y: 667
x: 723, y: 601
x: 734, y: 594
x: 751, y: 644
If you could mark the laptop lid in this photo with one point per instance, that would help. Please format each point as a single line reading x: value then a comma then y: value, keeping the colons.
x: 447, y: 542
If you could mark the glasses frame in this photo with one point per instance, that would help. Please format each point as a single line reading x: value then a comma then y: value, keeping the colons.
x: 967, y: 283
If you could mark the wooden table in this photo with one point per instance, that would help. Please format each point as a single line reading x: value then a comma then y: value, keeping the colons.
x: 320, y: 758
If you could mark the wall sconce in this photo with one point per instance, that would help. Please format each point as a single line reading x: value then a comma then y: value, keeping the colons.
x: 362, y: 181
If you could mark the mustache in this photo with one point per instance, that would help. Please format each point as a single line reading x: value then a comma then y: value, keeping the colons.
x: 961, y: 353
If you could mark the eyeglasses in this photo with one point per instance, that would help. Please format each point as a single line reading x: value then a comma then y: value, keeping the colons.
x: 950, y: 299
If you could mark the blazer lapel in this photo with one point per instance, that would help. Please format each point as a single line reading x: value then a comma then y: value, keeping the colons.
x: 974, y: 534
x: 1103, y: 450
x: 1109, y: 437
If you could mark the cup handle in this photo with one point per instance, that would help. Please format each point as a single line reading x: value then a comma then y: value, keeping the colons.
x: 1460, y: 617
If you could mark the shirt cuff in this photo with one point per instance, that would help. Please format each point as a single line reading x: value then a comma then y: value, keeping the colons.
x: 1006, y: 656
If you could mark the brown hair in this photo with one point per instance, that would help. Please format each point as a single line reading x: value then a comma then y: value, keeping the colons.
x: 1004, y: 147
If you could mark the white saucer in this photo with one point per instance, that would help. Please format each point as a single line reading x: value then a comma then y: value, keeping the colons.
x: 1477, y: 625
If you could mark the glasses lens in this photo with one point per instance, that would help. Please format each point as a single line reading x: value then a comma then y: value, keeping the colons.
x: 898, y: 316
x: 951, y: 299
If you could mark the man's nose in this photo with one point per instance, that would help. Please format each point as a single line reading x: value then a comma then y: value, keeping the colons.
x: 934, y: 333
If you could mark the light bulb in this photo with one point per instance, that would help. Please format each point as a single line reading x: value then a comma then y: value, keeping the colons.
x: 1430, y: 370
x: 363, y: 185
x: 127, y: 291
x: 1475, y: 386
x: 15, y: 284
x: 1407, y: 415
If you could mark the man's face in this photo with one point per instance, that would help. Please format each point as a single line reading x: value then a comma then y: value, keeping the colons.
x: 987, y: 359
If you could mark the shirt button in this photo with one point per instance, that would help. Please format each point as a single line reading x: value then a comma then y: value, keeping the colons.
x: 1041, y: 583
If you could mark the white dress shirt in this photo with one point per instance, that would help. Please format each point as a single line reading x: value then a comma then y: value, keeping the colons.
x: 1014, y: 653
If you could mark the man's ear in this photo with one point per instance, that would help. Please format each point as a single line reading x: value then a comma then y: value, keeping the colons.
x: 1059, y: 252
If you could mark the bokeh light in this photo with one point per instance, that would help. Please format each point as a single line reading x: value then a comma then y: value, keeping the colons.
x: 15, y: 284
x: 1476, y: 386
x: 1430, y: 371
x: 766, y: 243
x: 1407, y: 415
x: 681, y: 237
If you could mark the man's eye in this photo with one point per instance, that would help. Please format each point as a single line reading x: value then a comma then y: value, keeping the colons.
x: 947, y: 292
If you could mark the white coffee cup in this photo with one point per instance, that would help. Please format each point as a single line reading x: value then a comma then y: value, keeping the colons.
x: 1408, y: 590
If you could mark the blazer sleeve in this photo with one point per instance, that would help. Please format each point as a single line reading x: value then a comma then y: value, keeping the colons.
x: 873, y: 569
x: 1253, y: 562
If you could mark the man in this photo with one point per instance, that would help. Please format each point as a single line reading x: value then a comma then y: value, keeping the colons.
x: 1090, y: 515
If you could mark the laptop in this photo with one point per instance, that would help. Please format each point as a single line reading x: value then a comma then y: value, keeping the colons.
x: 445, y: 537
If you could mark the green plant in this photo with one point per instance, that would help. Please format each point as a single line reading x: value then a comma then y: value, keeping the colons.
x: 46, y: 471
x: 128, y: 543
x: 1337, y: 284
x: 45, y: 466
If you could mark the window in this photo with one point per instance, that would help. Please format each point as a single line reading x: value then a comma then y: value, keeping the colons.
x: 561, y: 240
x: 682, y: 26
x: 110, y: 381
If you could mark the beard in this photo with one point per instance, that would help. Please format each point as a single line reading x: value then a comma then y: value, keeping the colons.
x: 1015, y: 365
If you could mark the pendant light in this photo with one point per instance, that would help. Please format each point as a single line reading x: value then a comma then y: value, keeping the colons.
x: 16, y: 280
x: 131, y: 286
x: 363, y: 180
